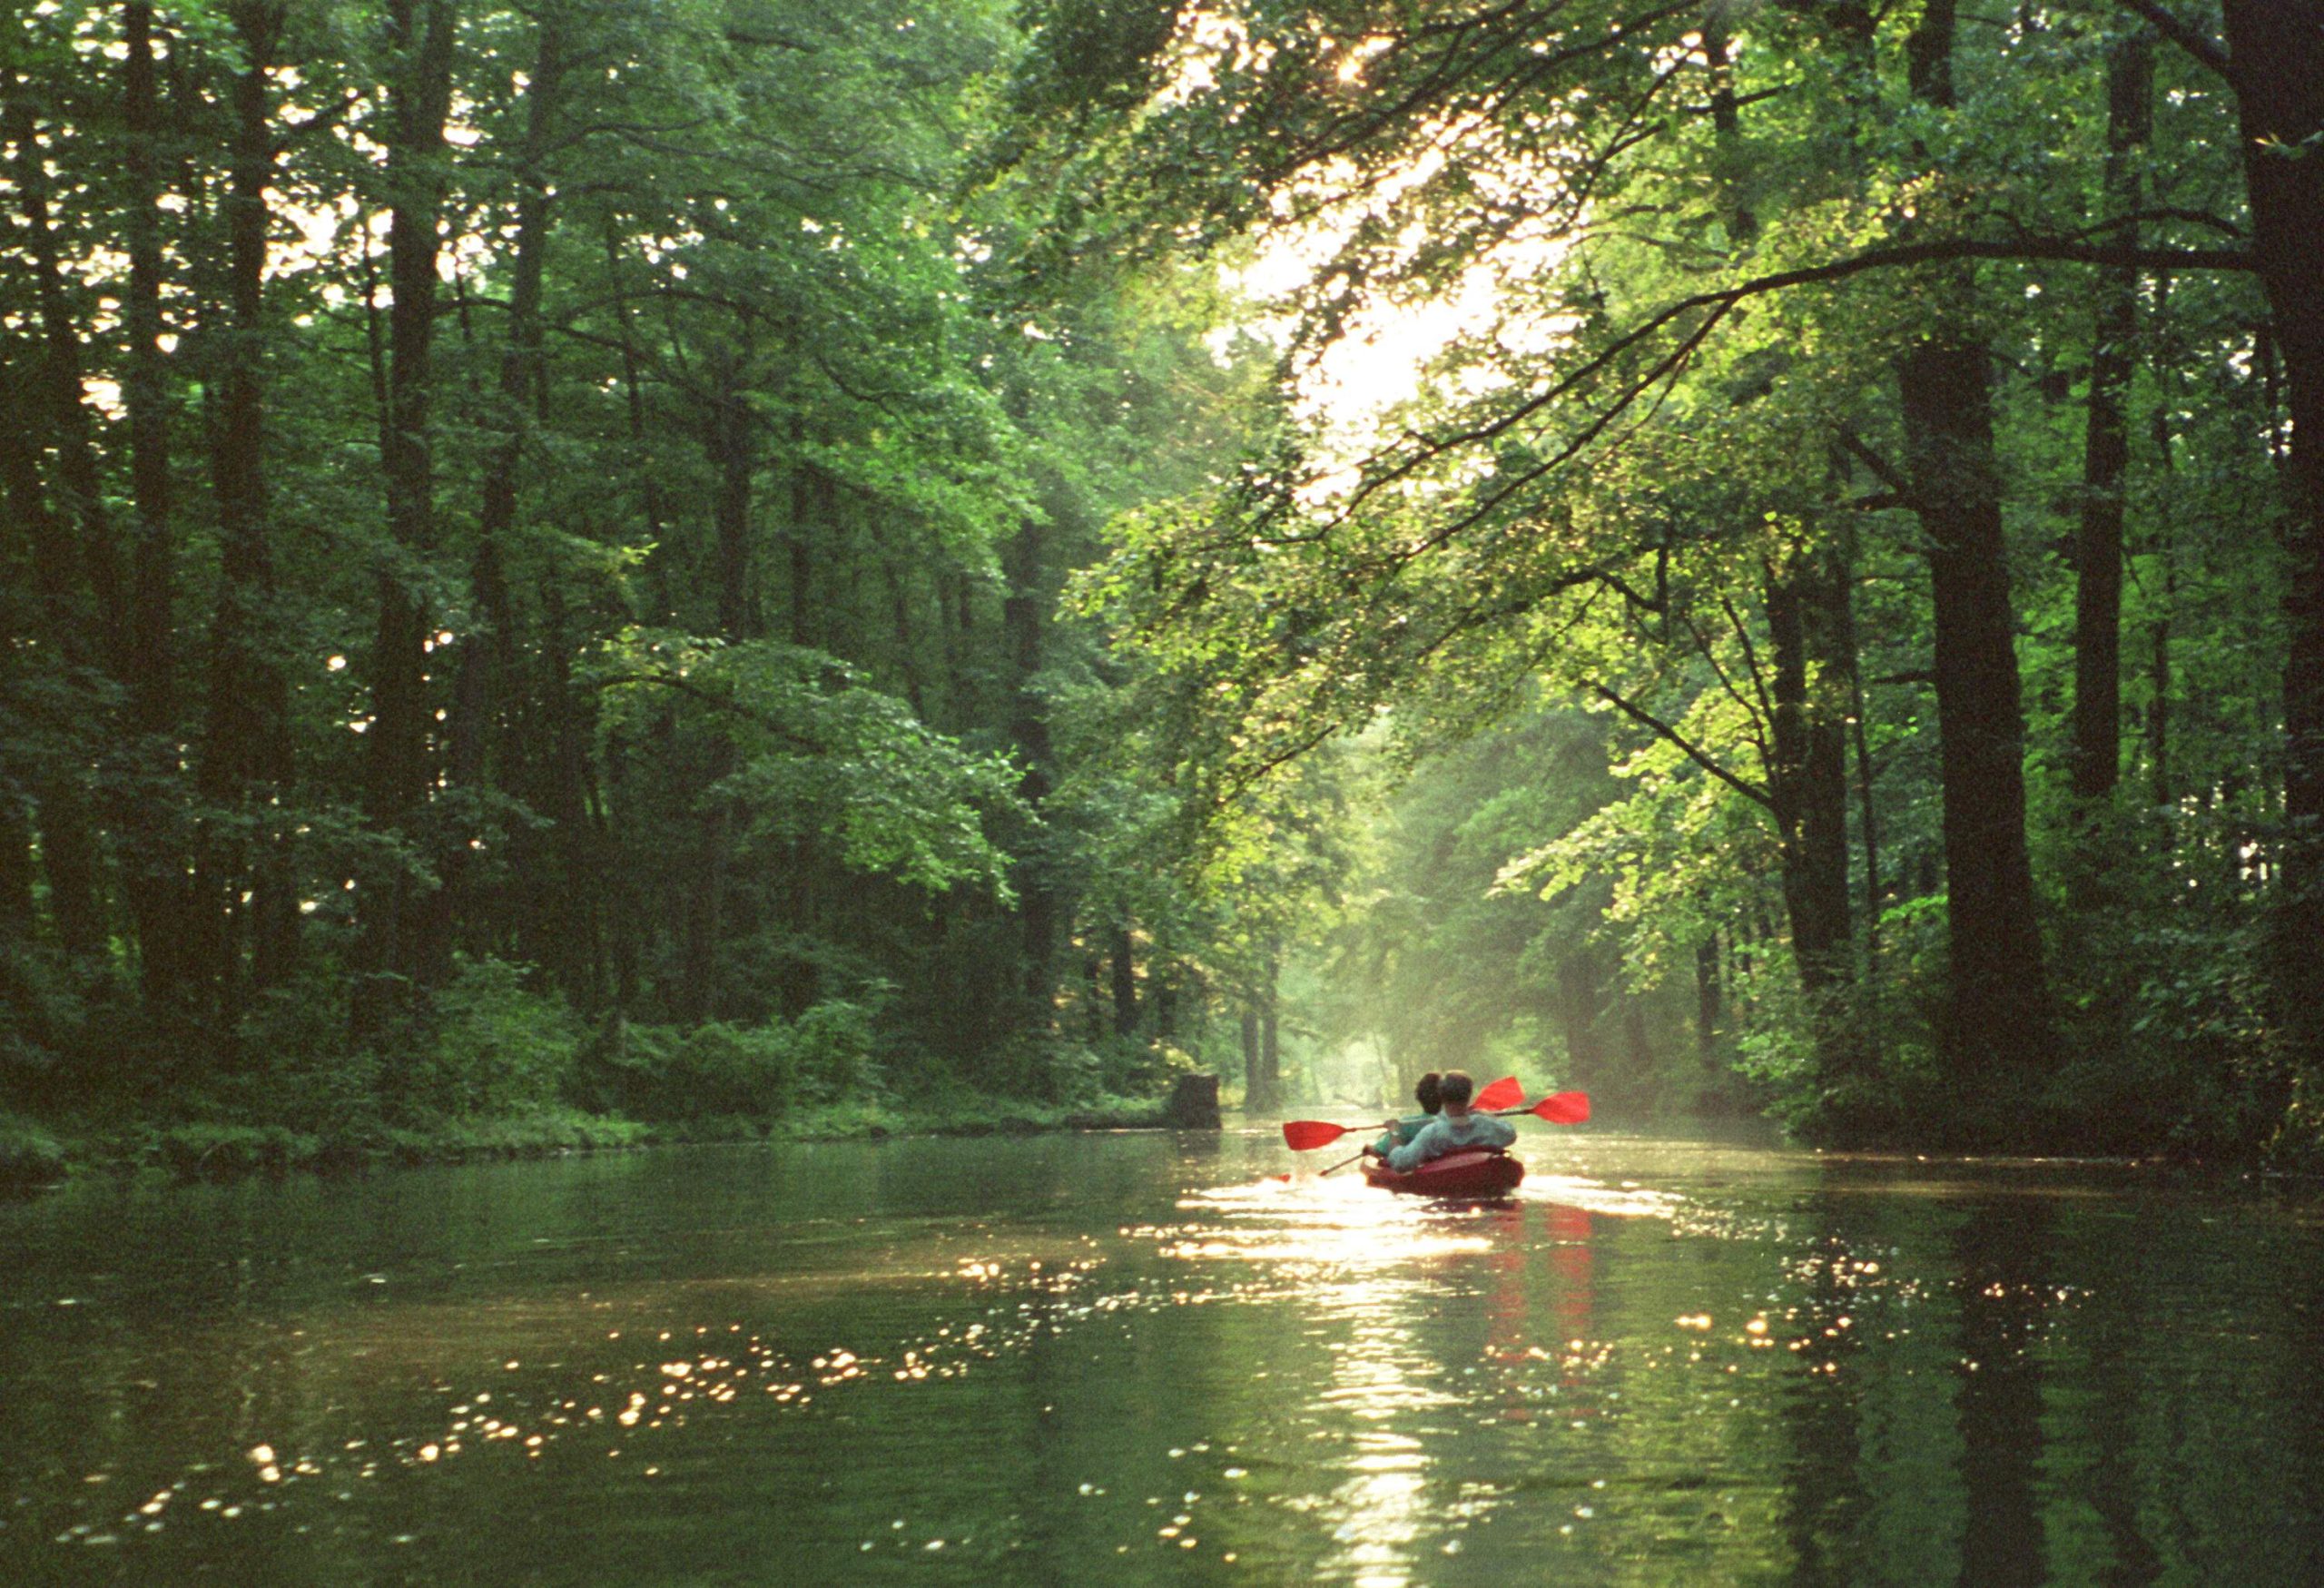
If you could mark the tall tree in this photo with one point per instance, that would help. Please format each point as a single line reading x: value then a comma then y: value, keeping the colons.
x: 420, y: 37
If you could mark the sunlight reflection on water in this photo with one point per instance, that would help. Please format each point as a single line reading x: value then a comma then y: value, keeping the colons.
x: 1663, y: 1364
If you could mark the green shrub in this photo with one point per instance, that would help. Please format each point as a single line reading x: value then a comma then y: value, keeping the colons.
x: 299, y: 1071
x: 223, y: 1151
x: 495, y: 1047
x: 29, y: 1156
x: 832, y: 1047
x: 661, y: 1074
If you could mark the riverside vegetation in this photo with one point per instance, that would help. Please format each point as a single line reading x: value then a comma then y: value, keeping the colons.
x: 608, y: 567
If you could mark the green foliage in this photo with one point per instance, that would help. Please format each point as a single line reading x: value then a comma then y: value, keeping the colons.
x: 903, y: 561
x: 29, y: 1155
x: 761, y: 1073
x: 497, y: 1046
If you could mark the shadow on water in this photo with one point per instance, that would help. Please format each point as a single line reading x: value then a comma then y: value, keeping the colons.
x: 1147, y: 1359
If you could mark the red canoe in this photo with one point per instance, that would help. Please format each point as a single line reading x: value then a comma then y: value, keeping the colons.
x: 1478, y: 1172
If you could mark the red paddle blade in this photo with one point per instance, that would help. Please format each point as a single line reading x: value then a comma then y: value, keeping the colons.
x: 1504, y: 1093
x: 1566, y: 1108
x: 1307, y: 1135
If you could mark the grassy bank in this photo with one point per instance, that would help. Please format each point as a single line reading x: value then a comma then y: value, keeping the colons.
x: 34, y: 1154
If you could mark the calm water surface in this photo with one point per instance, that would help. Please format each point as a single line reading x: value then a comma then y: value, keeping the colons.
x: 1135, y: 1358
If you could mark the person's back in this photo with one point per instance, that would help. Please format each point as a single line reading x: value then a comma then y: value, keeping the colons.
x: 1454, y: 1130
x: 1401, y: 1131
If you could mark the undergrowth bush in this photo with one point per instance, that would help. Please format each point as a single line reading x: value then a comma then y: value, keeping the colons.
x: 29, y: 1156
x: 495, y: 1047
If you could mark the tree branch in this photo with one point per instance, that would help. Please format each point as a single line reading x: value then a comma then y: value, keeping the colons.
x: 2202, y: 46
x: 709, y: 697
x: 1692, y: 751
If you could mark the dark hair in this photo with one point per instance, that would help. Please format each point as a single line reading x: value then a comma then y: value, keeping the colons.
x: 1425, y: 1095
x: 1454, y: 1087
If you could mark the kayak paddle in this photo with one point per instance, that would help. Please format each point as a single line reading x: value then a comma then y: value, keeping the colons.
x: 1564, y: 1107
x: 1504, y: 1093
x: 1307, y: 1135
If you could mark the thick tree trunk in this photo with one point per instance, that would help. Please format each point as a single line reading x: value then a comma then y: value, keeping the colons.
x: 705, y: 905
x: 2278, y: 52
x: 1578, y: 1014
x: 1997, y: 1013
x: 487, y: 655
x: 1125, y: 982
x: 1707, y: 1000
x: 1037, y: 900
x: 1271, y: 1042
x: 397, y: 775
x: 730, y: 444
x: 57, y: 389
x: 147, y: 387
x: 2161, y: 791
x: 17, y: 917
x: 572, y: 913
x: 1808, y: 784
x: 69, y: 860
x: 155, y: 873
x: 2096, y: 754
x: 1998, y: 1007
x: 67, y: 842
x: 1093, y: 1010
x: 727, y: 445
x: 246, y: 752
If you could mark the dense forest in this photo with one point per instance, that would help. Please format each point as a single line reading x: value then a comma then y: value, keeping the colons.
x: 666, y: 560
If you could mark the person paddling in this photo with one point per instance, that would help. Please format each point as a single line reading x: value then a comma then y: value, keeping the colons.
x: 1404, y: 1129
x: 1452, y: 1131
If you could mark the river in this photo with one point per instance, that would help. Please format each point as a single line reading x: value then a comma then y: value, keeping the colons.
x: 1141, y: 1358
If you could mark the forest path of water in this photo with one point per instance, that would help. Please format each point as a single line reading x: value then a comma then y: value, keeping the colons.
x: 1138, y: 1358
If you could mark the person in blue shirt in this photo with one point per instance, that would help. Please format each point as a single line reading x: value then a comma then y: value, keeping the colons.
x: 1452, y: 1131
x: 1404, y: 1129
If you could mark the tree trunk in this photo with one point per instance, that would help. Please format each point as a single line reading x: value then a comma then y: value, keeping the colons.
x: 1707, y: 1000
x: 2278, y: 50
x: 1997, y: 1013
x: 575, y: 913
x: 2161, y: 791
x: 398, y: 748
x: 1271, y: 1041
x: 58, y: 388
x: 1125, y: 983
x: 1036, y: 902
x: 147, y: 388
x: 729, y: 442
x: 487, y: 653
x: 1808, y: 784
x: 246, y: 758
x: 2096, y: 753
x: 1256, y: 1098
x: 68, y: 845
x: 17, y: 917
x: 155, y: 874
x: 1577, y: 1012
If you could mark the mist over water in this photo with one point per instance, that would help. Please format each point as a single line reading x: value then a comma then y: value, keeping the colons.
x: 1141, y: 1358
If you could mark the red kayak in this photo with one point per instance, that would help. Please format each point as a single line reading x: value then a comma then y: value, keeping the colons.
x: 1477, y: 1172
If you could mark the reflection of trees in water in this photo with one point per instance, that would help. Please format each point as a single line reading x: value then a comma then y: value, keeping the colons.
x: 1823, y: 1407
x: 2108, y: 1344
x: 2002, y: 1255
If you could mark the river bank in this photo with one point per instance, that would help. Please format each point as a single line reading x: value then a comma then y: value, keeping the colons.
x: 36, y: 1153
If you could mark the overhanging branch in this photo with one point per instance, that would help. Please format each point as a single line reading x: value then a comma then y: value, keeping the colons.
x: 1692, y: 751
